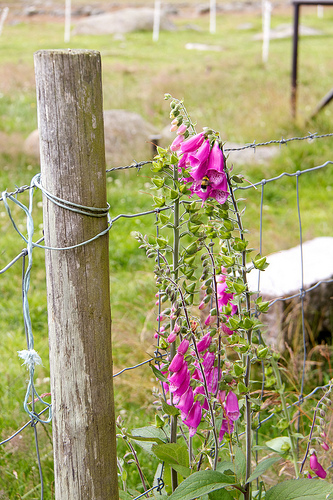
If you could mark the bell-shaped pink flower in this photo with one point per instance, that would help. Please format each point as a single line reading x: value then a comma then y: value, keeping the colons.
x: 177, y: 143
x: 216, y: 160
x: 204, y: 343
x: 226, y: 427
x: 316, y: 467
x: 217, y: 186
x: 193, y: 143
x: 176, y: 363
x: 186, y: 403
x: 171, y: 337
x: 183, y: 162
x: 177, y: 378
x: 201, y: 390
x: 231, y: 406
x: 182, y: 129
x: 325, y: 446
x: 200, y: 156
x: 178, y: 392
x: 194, y: 418
x: 183, y: 346
x: 208, y: 361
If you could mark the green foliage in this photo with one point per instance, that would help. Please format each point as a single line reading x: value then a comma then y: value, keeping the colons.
x: 302, y: 489
x: 201, y: 483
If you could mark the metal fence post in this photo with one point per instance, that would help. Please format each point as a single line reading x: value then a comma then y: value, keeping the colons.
x: 70, y: 117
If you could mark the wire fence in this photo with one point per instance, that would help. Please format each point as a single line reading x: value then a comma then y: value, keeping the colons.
x: 34, y: 417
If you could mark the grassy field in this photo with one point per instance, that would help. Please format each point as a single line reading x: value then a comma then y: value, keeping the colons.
x: 229, y: 90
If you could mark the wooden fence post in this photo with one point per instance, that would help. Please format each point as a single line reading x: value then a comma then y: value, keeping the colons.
x: 70, y: 118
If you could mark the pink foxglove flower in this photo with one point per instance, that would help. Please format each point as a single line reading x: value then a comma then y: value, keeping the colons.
x: 230, y: 413
x: 185, y: 403
x: 183, y: 346
x: 216, y: 159
x: 192, y: 144
x: 182, y: 129
x: 316, y: 467
x: 231, y: 406
x: 177, y: 143
x: 177, y: 378
x: 325, y: 446
x: 209, y: 184
x: 204, y: 343
x: 178, y: 392
x: 176, y: 363
x: 172, y: 337
x: 226, y: 427
x: 208, y: 361
x: 200, y: 156
x: 194, y: 418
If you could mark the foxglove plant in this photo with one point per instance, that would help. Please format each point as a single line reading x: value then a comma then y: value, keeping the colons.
x: 208, y: 329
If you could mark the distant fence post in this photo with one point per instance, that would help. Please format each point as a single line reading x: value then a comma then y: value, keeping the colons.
x: 70, y: 117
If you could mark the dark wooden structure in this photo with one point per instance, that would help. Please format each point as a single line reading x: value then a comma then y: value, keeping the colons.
x: 297, y: 5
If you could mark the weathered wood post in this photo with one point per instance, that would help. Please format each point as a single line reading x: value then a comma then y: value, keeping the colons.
x: 70, y: 117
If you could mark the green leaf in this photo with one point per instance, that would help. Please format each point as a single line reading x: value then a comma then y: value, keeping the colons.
x: 162, y: 242
x: 225, y: 466
x: 169, y: 410
x: 124, y: 496
x: 279, y: 444
x: 192, y: 248
x: 228, y: 261
x: 259, y: 262
x: 149, y: 433
x: 190, y: 288
x: 158, y: 374
x: 159, y: 202
x: 262, y: 306
x: 262, y: 467
x: 174, y: 194
x: 172, y: 453
x: 237, y: 178
x: 201, y: 483
x: 228, y: 225
x: 158, y: 182
x: 233, y: 324
x: 164, y: 219
x: 240, y: 245
x: 220, y: 495
x: 174, y: 159
x: 183, y: 471
x: 240, y: 465
x: 300, y: 489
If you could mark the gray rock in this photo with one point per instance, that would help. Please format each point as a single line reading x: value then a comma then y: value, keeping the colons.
x: 286, y: 31
x: 127, y: 138
x: 121, y: 21
x: 250, y: 156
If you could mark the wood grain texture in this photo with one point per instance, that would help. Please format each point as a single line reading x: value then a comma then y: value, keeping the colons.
x: 70, y: 119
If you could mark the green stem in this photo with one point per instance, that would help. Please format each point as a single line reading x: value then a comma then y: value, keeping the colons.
x: 248, y: 429
x: 173, y: 430
x: 286, y: 412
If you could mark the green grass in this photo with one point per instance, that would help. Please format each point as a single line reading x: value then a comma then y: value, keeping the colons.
x: 230, y: 91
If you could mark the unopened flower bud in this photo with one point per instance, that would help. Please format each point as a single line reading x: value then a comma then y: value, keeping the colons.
x: 172, y: 337
x: 325, y: 446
